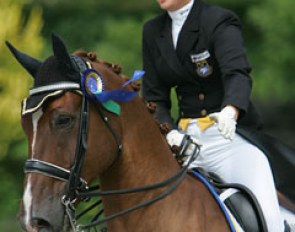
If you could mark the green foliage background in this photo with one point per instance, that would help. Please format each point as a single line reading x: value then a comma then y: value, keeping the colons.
x: 113, y: 30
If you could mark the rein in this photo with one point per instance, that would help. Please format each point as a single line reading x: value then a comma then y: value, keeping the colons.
x: 176, y: 179
x: 77, y: 188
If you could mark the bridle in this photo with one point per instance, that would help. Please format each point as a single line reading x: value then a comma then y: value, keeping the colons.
x: 77, y: 187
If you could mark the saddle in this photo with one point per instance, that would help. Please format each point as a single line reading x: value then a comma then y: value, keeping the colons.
x: 239, y: 201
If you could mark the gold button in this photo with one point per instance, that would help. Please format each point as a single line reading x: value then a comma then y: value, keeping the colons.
x: 201, y: 96
x: 203, y: 112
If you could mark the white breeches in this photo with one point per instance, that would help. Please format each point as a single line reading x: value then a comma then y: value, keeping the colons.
x: 238, y: 161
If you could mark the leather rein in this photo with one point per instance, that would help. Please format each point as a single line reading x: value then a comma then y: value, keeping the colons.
x: 77, y: 188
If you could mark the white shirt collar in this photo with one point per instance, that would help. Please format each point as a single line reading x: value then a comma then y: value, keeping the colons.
x: 180, y: 15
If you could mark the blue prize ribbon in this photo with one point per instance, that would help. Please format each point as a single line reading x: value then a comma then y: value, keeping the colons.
x: 136, y: 76
x: 120, y: 95
x: 91, y: 83
x: 92, y: 86
x: 115, y: 95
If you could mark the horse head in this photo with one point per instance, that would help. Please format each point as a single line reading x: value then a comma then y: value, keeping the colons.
x: 64, y: 131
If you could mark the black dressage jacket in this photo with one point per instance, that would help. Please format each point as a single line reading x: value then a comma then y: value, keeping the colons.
x: 208, y: 69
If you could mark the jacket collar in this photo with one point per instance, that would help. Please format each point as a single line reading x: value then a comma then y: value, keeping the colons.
x: 165, y: 44
x: 187, y: 39
x: 189, y: 34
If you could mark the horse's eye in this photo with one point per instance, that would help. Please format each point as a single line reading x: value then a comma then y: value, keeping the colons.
x: 63, y: 121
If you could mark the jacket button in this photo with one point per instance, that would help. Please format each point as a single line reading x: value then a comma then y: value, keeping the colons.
x: 201, y: 96
x: 203, y: 112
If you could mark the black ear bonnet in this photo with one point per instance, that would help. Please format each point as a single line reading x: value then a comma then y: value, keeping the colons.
x: 59, y: 72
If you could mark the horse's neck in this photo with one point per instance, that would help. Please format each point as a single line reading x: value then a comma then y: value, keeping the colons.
x: 145, y: 151
x: 146, y: 160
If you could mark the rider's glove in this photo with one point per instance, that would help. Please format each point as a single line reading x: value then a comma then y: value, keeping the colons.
x: 226, y: 120
x: 186, y: 145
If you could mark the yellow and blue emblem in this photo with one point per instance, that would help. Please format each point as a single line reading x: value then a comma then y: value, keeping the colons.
x: 92, y: 83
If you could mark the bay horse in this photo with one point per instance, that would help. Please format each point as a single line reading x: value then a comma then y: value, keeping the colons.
x: 74, y: 140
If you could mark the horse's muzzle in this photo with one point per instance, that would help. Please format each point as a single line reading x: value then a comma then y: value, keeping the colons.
x: 43, y: 216
x: 42, y: 225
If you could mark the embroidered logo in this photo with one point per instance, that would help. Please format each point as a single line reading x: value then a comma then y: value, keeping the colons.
x: 203, y: 68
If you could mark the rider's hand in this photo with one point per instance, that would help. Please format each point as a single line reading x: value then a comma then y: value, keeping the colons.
x: 226, y: 120
x: 186, y: 144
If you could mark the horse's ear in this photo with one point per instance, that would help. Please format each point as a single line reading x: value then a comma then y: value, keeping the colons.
x: 61, y: 53
x: 29, y: 63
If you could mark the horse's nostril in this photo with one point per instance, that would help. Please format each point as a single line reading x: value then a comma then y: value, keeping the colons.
x: 40, y: 223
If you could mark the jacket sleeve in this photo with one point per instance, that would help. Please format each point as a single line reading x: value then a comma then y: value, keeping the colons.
x: 153, y: 89
x: 231, y: 56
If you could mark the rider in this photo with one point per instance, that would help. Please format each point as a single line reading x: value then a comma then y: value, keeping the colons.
x: 199, y: 49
